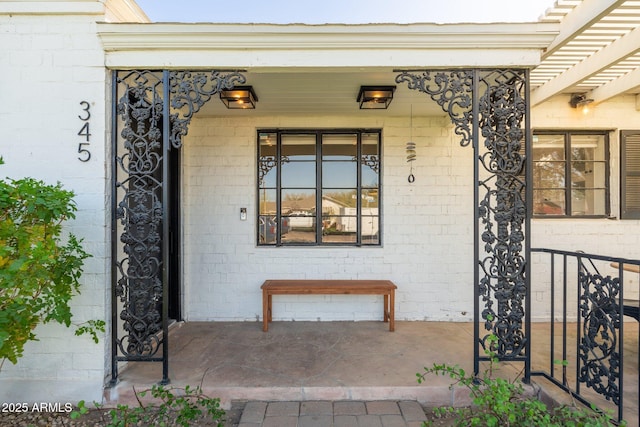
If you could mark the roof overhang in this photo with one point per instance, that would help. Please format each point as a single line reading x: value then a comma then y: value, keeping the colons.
x: 270, y: 46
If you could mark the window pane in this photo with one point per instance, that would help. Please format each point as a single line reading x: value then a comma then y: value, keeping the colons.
x: 369, y: 201
x: 370, y: 175
x: 268, y: 143
x: 588, y: 202
x: 339, y: 229
x: 339, y: 174
x: 339, y: 147
x: 267, y: 201
x: 587, y: 147
x: 267, y: 174
x: 370, y: 144
x: 370, y: 229
x: 301, y: 229
x: 548, y: 202
x: 370, y: 160
x: 548, y: 147
x: 298, y: 174
x: 267, y: 230
x: 300, y: 202
x: 588, y: 174
x: 549, y: 175
x: 298, y: 147
x: 335, y: 200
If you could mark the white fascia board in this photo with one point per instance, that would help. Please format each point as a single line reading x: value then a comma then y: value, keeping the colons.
x: 614, y: 52
x: 27, y: 7
x: 314, y: 45
x: 267, y: 36
x: 285, y: 60
x: 630, y: 82
x: 579, y: 19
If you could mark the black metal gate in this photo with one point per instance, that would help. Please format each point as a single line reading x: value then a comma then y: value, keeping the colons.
x: 151, y: 113
x: 490, y: 111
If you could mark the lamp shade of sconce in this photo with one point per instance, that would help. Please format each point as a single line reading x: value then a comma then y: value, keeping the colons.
x: 240, y: 97
x: 375, y: 97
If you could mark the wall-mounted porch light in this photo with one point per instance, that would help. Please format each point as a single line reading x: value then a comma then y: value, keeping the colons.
x: 240, y: 97
x: 375, y: 97
x: 580, y: 100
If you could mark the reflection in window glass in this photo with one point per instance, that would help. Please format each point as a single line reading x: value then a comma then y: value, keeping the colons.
x: 267, y: 201
x: 323, y: 190
x: 570, y: 173
x: 339, y: 229
x: 339, y: 174
x: 298, y: 174
x: 298, y: 202
x: 299, y: 147
x: 339, y: 147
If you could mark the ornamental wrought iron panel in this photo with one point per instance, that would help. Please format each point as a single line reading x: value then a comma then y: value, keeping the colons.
x: 490, y: 111
x: 151, y: 114
x: 599, y: 344
x: 585, y: 296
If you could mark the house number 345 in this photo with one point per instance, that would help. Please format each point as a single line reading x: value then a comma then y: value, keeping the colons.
x: 84, y: 132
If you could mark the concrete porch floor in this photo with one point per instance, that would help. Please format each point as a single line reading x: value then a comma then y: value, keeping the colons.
x: 336, y: 361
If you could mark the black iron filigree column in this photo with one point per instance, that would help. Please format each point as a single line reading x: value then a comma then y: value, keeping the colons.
x: 490, y: 111
x: 151, y: 114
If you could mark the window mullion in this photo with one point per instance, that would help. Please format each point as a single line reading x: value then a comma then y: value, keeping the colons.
x: 567, y: 173
x: 319, y: 189
x: 359, y: 190
x: 279, y: 189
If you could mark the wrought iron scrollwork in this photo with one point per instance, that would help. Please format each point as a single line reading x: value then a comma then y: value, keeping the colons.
x: 501, y: 112
x: 502, y: 209
x: 139, y: 291
x: 190, y: 91
x: 451, y: 90
x: 599, y: 348
x: 139, y: 212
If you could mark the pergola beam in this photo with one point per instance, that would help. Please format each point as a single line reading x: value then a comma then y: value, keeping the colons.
x: 582, y: 17
x: 601, y: 60
x: 628, y: 82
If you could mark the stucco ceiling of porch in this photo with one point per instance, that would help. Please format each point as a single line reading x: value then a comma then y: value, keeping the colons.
x: 324, y: 93
x: 597, y: 52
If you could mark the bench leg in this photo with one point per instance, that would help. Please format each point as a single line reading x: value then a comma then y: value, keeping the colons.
x: 392, y: 311
x: 265, y: 311
x: 386, y: 308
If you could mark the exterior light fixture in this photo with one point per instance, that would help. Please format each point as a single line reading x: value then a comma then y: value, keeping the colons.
x: 580, y: 100
x: 240, y: 97
x: 375, y: 97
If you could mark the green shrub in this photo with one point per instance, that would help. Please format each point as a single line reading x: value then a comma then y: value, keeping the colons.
x: 39, y: 272
x: 501, y: 402
x: 172, y: 406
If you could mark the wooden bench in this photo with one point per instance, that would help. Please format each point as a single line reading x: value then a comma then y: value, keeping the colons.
x: 328, y: 287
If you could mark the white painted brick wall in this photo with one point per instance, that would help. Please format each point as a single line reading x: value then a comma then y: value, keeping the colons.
x: 427, y: 227
x: 49, y: 65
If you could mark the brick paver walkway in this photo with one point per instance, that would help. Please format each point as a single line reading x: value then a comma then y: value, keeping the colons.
x: 379, y: 413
